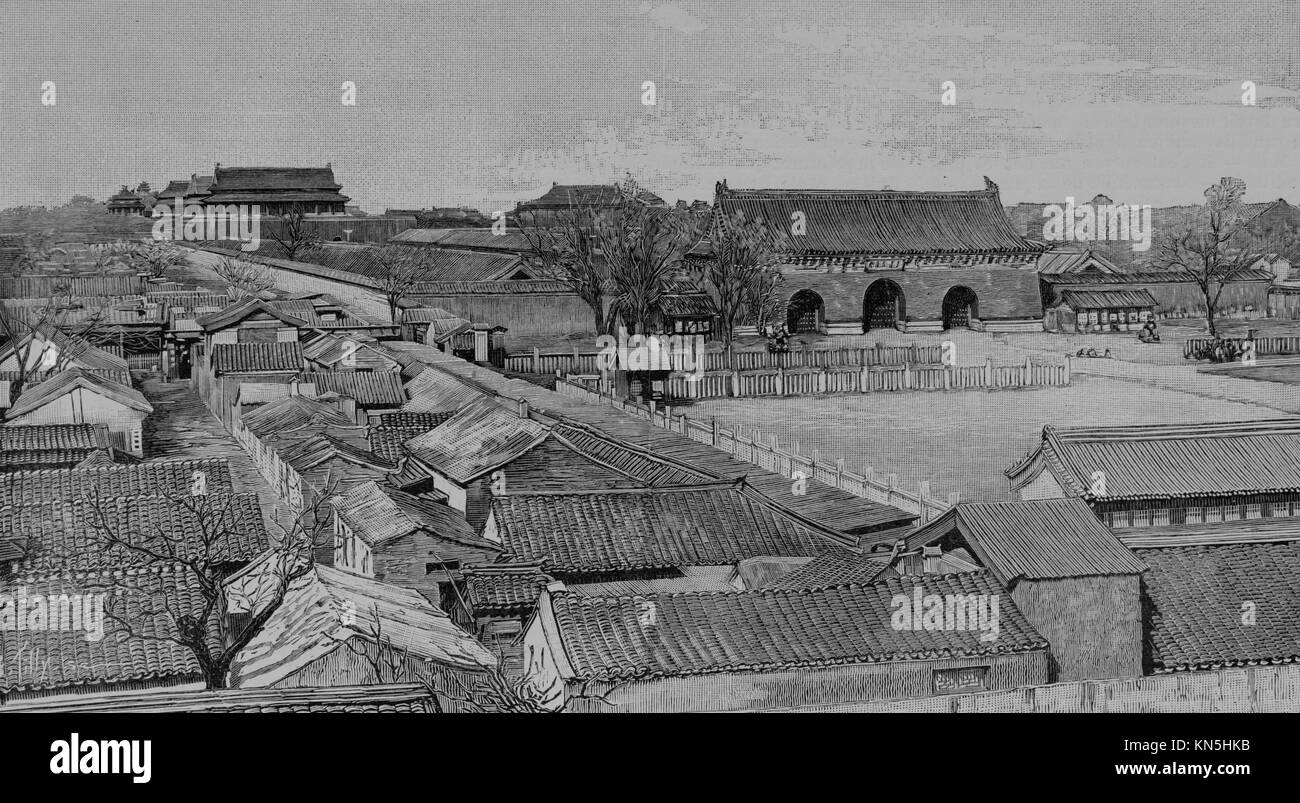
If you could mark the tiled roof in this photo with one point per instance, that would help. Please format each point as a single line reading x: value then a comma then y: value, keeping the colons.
x: 69, y: 659
x: 71, y: 533
x: 1169, y: 460
x: 65, y: 382
x: 835, y: 566
x: 883, y: 221
x: 1236, y: 531
x: 502, y: 589
x: 331, y: 350
x: 436, y: 392
x: 230, y: 179
x: 1150, y: 277
x: 480, y: 438
x: 1100, y: 299
x: 562, y: 196
x: 426, y: 293
x: 1197, y: 605
x: 486, y: 239
x: 379, y: 515
x: 1034, y: 540
x: 674, y: 635
x: 321, y: 447
x: 625, y: 530
x: 76, y: 284
x: 73, y: 351
x: 388, y: 440
x: 291, y: 413
x: 254, y: 358
x: 327, y: 609
x: 410, y: 698
x: 52, y: 436
x: 136, y: 479
x: 687, y: 304
x: 369, y: 388
x: 625, y: 458
x: 36, y: 459
x: 1071, y: 261
x: 245, y: 307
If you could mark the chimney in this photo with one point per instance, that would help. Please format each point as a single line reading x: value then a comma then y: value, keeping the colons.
x: 293, y: 387
x: 555, y: 587
x: 523, y: 408
x: 348, y: 406
x: 932, y: 555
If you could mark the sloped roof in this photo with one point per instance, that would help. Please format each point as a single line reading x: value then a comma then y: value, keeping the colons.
x: 72, y: 350
x: 72, y: 534
x: 229, y: 179
x: 369, y: 388
x: 135, y: 479
x: 293, y: 412
x: 71, y: 659
x: 1149, y: 277
x: 1196, y: 614
x: 1072, y: 261
x: 1156, y: 461
x: 1035, y: 540
x: 835, y: 566
x: 52, y: 436
x: 882, y: 221
x: 379, y: 515
x: 502, y: 589
x: 36, y: 396
x: 332, y: 349
x: 243, y: 308
x: 634, y: 529
x: 479, y: 438
x: 256, y: 358
x: 388, y: 440
x: 316, y: 448
x: 476, y: 238
x: 563, y: 196
x: 327, y: 608
x: 768, y: 630
x: 1101, y: 299
x: 436, y: 392
x: 625, y: 458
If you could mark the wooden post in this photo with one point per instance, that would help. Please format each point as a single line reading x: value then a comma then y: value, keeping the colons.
x: 988, y: 372
x: 1024, y: 373
x: 537, y: 360
x: 907, y: 376
x: 715, y: 432
x: 864, y: 379
x: 839, y: 472
x: 1068, y: 369
x: 780, y: 381
x: 947, y: 377
x: 735, y: 383
x: 922, y: 491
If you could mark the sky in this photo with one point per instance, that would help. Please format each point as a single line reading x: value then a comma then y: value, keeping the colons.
x: 485, y: 104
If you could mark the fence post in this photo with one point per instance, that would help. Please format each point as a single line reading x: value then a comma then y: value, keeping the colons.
x: 864, y: 379
x: 907, y: 377
x: 988, y: 372
x: 922, y: 491
x: 1068, y: 369
x: 537, y: 360
x: 947, y: 377
x: 1024, y: 373
x: 780, y: 381
x: 735, y: 383
x: 839, y: 473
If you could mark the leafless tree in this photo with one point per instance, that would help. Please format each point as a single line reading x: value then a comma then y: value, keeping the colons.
x: 47, y: 337
x: 291, y: 231
x: 1214, y: 250
x: 643, y: 247
x: 206, y: 628
x: 155, y: 258
x: 741, y: 277
x: 562, y: 247
x: 243, y: 278
x: 398, y: 269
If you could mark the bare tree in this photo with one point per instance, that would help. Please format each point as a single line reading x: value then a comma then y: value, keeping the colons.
x: 296, y: 238
x: 643, y: 247
x: 1215, y: 249
x: 47, y: 337
x: 398, y: 269
x: 155, y: 258
x: 243, y: 278
x: 206, y: 627
x: 562, y: 247
x: 741, y: 278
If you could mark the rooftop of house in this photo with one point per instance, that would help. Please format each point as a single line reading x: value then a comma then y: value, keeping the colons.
x: 52, y: 436
x: 34, y: 397
x: 381, y: 515
x: 369, y: 388
x: 581, y: 532
x: 677, y: 635
x: 480, y: 438
x: 1159, y: 461
x: 564, y: 196
x: 1035, y: 540
x: 88, y: 534
x: 293, y: 412
x: 881, y: 221
x: 504, y: 589
x: 1197, y: 614
x: 134, y: 479
x: 327, y: 609
x: 257, y: 358
x: 124, y: 641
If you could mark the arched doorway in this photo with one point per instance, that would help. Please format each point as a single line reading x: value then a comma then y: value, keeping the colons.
x: 960, y: 307
x: 805, y: 312
x: 883, y: 305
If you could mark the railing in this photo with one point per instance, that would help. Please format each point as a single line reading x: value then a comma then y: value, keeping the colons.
x: 867, y: 379
x: 588, y: 362
x: 867, y: 483
x: 1263, y: 345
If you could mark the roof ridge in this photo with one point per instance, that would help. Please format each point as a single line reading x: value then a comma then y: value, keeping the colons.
x: 770, y: 590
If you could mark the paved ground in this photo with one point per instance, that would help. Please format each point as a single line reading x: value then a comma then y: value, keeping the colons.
x: 182, y: 428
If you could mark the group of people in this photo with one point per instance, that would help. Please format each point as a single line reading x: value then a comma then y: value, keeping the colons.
x: 778, y: 339
x: 1148, y: 333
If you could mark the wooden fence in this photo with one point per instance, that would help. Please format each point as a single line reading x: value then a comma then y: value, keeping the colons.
x: 580, y: 362
x: 866, y: 483
x: 1263, y: 345
x: 866, y: 379
x: 1255, y: 689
